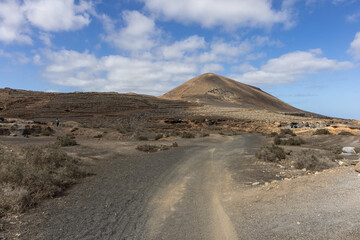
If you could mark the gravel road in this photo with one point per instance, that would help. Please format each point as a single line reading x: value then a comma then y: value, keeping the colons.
x: 200, y: 190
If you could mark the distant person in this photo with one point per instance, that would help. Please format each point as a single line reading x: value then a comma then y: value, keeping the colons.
x: 57, y: 122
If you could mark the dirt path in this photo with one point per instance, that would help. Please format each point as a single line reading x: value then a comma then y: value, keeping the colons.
x: 201, y: 190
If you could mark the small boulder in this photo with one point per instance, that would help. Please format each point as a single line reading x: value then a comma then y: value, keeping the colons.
x: 348, y: 150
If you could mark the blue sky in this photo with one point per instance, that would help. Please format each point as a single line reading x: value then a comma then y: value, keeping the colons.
x: 305, y: 52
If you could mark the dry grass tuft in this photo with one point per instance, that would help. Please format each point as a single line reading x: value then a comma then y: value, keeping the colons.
x: 142, y: 138
x: 312, y: 160
x: 35, y: 174
x: 287, y: 131
x: 346, y: 133
x: 188, y: 135
x: 321, y: 132
x: 270, y: 153
x: 292, y: 141
x: 67, y: 140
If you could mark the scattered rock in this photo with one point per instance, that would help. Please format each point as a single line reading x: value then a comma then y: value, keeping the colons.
x: 255, y: 183
x: 357, y: 167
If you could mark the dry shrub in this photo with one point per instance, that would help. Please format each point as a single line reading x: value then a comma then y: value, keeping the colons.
x: 270, y: 153
x: 142, y: 138
x: 273, y: 134
x: 152, y: 148
x: 346, y: 133
x: 47, y: 131
x: 35, y: 174
x: 155, y: 148
x: 312, y: 160
x: 205, y: 134
x: 67, y: 140
x: 292, y: 141
x: 321, y: 132
x: 159, y: 136
x: 287, y: 131
x: 188, y: 135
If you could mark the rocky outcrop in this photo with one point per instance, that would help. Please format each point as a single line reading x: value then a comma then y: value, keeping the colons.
x: 25, y: 128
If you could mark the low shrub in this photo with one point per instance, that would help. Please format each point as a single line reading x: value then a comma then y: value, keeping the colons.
x: 337, y: 149
x: 321, y: 132
x: 148, y: 148
x: 47, y: 131
x: 277, y: 140
x: 188, y: 135
x: 311, y: 160
x: 98, y: 136
x: 270, y: 153
x: 142, y: 138
x: 292, y: 141
x: 67, y: 140
x: 287, y: 131
x: 175, y: 144
x: 35, y: 174
x: 346, y: 133
x: 159, y: 136
x: 154, y: 148
x: 204, y: 134
x: 273, y: 134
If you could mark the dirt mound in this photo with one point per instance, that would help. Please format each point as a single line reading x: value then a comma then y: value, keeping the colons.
x: 210, y: 88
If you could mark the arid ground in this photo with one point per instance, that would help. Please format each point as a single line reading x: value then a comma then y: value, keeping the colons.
x: 218, y: 162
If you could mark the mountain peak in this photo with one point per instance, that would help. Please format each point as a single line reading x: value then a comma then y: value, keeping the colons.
x: 212, y: 88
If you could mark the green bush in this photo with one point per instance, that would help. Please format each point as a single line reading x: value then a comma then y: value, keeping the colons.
x: 270, y: 153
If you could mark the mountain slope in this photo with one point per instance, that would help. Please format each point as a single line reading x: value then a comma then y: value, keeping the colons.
x: 212, y: 88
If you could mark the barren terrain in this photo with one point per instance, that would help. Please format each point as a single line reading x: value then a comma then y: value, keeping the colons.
x: 211, y: 159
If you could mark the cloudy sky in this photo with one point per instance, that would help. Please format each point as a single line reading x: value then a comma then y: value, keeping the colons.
x: 305, y: 52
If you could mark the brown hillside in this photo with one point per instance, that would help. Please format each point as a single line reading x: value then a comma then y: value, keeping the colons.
x: 79, y: 106
x: 210, y: 88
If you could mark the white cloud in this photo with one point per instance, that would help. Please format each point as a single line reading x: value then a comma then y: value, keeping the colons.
x: 226, y: 13
x: 212, y: 68
x: 114, y: 72
x: 16, y: 58
x: 335, y: 2
x: 139, y: 34
x: 354, y: 49
x: 179, y: 49
x: 17, y: 18
x: 353, y: 18
x: 245, y: 67
x: 290, y: 67
x: 57, y: 15
x: 46, y: 38
x: 12, y: 23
